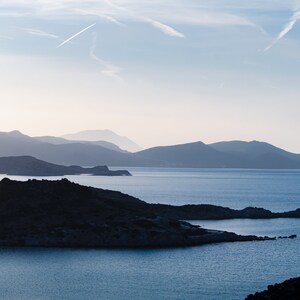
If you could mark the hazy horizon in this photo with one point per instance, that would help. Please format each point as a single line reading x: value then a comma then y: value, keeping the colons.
x: 159, y: 73
x: 150, y: 146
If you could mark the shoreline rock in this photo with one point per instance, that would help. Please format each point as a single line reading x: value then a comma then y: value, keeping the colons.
x: 289, y: 289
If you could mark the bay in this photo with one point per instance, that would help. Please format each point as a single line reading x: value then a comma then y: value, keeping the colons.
x: 277, y: 190
x: 218, y: 271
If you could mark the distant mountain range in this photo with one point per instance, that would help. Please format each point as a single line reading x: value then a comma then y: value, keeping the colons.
x: 61, y: 141
x: 104, y: 135
x: 76, y: 153
x: 255, y: 155
x: 234, y: 154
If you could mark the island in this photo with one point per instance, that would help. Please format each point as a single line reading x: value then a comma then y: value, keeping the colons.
x: 31, y: 166
x: 45, y: 213
x: 289, y: 289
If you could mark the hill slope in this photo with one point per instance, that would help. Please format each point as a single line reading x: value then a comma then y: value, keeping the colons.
x: 252, y: 149
x: 64, y: 214
x: 59, y: 141
x: 17, y: 144
x: 189, y: 155
x: 221, y: 155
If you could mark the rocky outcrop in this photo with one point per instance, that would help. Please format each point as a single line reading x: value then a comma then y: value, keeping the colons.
x: 30, y: 166
x: 64, y: 214
x: 289, y: 290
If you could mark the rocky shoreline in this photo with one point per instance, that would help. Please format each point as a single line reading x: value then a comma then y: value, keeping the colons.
x: 64, y: 214
x: 289, y: 290
x: 214, y: 212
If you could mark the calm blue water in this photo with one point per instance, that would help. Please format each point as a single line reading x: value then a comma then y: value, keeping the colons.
x: 219, y: 271
x: 278, y: 190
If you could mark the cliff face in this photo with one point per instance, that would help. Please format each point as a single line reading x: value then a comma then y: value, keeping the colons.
x: 64, y: 214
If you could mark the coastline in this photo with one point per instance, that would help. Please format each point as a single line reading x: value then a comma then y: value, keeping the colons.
x: 64, y: 214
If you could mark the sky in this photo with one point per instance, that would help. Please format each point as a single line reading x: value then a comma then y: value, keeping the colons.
x: 159, y: 72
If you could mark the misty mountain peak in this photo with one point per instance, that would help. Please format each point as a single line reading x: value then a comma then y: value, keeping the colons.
x: 16, y: 133
x: 104, y: 135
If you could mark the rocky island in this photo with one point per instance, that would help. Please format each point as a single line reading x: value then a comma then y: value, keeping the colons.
x: 64, y: 214
x: 30, y: 166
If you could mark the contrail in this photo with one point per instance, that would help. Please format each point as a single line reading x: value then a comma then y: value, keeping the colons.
x: 286, y: 29
x: 38, y: 32
x: 76, y: 34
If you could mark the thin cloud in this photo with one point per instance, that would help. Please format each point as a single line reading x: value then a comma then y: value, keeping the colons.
x: 113, y: 20
x: 109, y: 70
x: 286, y: 29
x: 190, y: 12
x: 12, y: 14
x: 113, y: 5
x: 204, y: 16
x: 5, y: 37
x: 166, y: 29
x: 193, y: 12
x: 41, y: 33
x: 101, y: 15
x: 75, y: 35
x: 113, y: 72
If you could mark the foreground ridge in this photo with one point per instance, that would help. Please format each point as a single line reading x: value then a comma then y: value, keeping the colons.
x: 64, y: 214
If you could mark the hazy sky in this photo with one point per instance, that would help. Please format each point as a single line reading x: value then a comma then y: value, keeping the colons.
x: 160, y: 72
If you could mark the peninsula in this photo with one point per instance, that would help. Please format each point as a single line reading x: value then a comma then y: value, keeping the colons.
x: 30, y: 166
x: 64, y: 214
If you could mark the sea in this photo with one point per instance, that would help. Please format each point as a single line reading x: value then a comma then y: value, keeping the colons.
x: 216, y: 271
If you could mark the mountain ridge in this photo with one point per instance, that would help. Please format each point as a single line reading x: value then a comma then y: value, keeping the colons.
x: 251, y: 155
x: 59, y: 141
x: 253, y: 147
x: 198, y: 154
